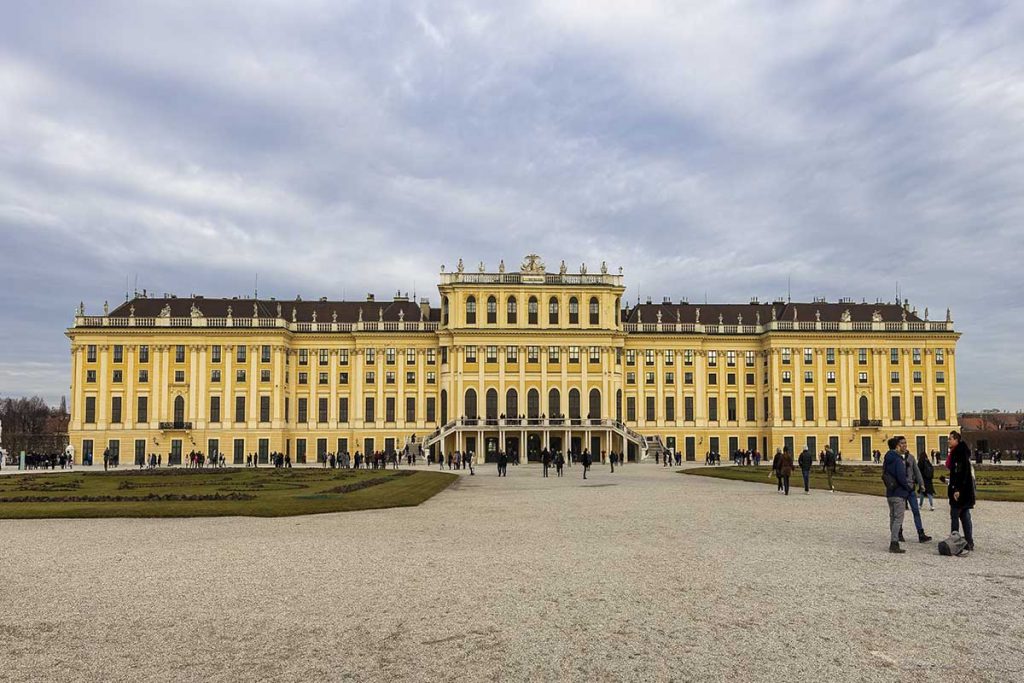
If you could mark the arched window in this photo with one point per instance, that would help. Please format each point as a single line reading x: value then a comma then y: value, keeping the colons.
x: 618, y: 405
x: 574, y: 404
x: 511, y: 403
x: 574, y: 311
x: 864, y: 409
x: 471, y: 310
x: 492, y: 311
x: 179, y: 409
x: 512, y: 311
x: 595, y: 311
x: 491, y: 404
x: 444, y: 311
x: 531, y: 310
x: 444, y: 406
x: 552, y: 311
x: 470, y: 407
x: 595, y: 404
x: 533, y: 403
x: 554, y: 403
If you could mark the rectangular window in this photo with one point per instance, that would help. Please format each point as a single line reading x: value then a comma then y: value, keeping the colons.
x: 751, y: 409
x: 730, y: 359
x: 649, y: 356
x: 90, y: 353
x: 749, y: 379
x: 730, y: 408
x: 862, y: 356
x: 917, y: 376
x: 862, y: 377
x: 688, y: 408
x: 670, y: 356
x: 940, y: 408
x: 917, y: 356
x: 687, y: 378
x: 730, y: 379
x: 410, y: 378
x: 830, y: 377
x: 649, y: 377
x: 552, y: 354
x: 118, y: 353
x: 342, y: 378
x: 90, y: 410
x: 670, y: 408
x: 303, y: 356
x: 322, y: 378
x: 144, y: 353
x: 574, y: 354
x: 492, y: 354
x: 265, y: 353
x: 264, y: 375
x: 712, y: 409
x: 369, y: 414
x: 264, y: 409
x: 595, y: 354
x: 303, y: 411
x: 431, y: 377
x: 470, y: 354
x: 631, y: 408
x: 389, y: 377
x: 894, y: 356
x: 940, y: 377
x: 630, y: 357
x: 630, y: 377
x: 712, y: 378
x: 649, y: 406
x: 808, y: 356
x: 371, y: 377
x: 389, y: 356
x: 830, y: 404
x: 712, y: 359
x: 787, y: 408
x: 787, y: 355
x: 808, y: 407
x: 371, y: 356
x: 896, y: 412
x: 511, y: 354
x: 321, y: 410
x: 303, y: 378
x: 894, y: 377
x: 830, y: 356
x: 787, y: 377
x: 215, y: 409
x: 343, y: 356
x: 431, y: 356
x: 410, y: 408
x: 918, y: 407
x: 239, y: 408
x: 809, y: 377
x: 748, y: 359
x: 214, y: 376
x: 215, y: 354
x: 389, y: 409
x: 239, y: 375
x: 179, y: 376
x: 240, y: 353
x: 431, y: 409
x: 670, y: 378
x: 343, y: 409
x: 142, y: 409
x: 688, y: 357
x: 179, y: 353
x: 940, y: 356
x: 410, y: 356
x: 117, y: 376
x: 115, y: 409
x: 533, y: 354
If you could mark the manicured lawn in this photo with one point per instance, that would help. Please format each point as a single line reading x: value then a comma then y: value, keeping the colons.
x: 262, y: 492
x: 994, y: 483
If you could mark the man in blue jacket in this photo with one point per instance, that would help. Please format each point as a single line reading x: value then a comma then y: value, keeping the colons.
x: 897, y: 489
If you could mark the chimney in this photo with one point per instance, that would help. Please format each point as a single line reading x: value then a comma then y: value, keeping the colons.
x: 369, y: 296
x: 754, y: 301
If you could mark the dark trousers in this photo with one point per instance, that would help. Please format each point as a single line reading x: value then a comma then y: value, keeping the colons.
x: 785, y: 483
x: 778, y: 477
x: 807, y: 479
x: 545, y: 470
x: 958, y: 516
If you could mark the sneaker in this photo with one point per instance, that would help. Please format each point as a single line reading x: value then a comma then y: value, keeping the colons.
x: 895, y: 548
x: 922, y: 537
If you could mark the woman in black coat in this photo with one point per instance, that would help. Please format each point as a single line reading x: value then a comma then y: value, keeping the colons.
x: 928, y: 474
x: 961, y: 487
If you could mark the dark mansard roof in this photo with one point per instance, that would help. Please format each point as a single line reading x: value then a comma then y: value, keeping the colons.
x: 806, y: 312
x: 348, y: 311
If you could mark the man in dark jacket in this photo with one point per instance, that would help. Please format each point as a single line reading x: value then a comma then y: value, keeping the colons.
x: 897, y: 489
x: 586, y: 462
x: 806, y: 463
x: 961, y: 488
x: 830, y: 466
x: 786, y: 468
x: 502, y: 464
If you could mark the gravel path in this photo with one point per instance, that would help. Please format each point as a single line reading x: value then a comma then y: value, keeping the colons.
x: 641, y: 575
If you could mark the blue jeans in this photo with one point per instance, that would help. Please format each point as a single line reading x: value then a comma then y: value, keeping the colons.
x: 929, y: 496
x: 807, y: 479
x: 912, y: 500
x: 958, y: 515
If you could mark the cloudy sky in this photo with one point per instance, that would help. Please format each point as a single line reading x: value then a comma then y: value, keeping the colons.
x: 337, y: 148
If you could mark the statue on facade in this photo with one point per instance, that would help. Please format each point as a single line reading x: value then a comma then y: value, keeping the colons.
x: 255, y: 310
x: 604, y: 267
x: 562, y: 269
x: 926, y: 313
x: 165, y: 312
x: 583, y: 269
x: 314, y: 316
x: 775, y: 315
x: 659, y: 317
x: 639, y: 315
x: 229, y: 310
x: 876, y: 317
x: 380, y: 314
x: 295, y: 315
x: 334, y: 316
x: 106, y: 308
x: 81, y: 308
x: 532, y: 265
x: 461, y: 267
x: 501, y: 266
x: 721, y: 318
x: 757, y: 318
x: 739, y: 318
x: 817, y: 315
x: 679, y: 316
x: 360, y: 314
x: 481, y: 268
x: 195, y: 312
x: 278, y: 309
x: 794, y: 314
x: 904, y: 315
x: 949, y: 317
x: 401, y: 315
x: 845, y: 317
x: 131, y: 311
x: 698, y: 315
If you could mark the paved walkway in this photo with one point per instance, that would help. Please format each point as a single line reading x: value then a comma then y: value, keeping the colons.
x: 642, y: 575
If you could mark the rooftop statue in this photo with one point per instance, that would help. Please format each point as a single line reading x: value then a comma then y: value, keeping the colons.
x: 165, y: 312
x: 461, y: 267
x: 845, y: 317
x: 532, y: 265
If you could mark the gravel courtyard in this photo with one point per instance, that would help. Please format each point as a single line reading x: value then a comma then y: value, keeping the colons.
x: 641, y: 575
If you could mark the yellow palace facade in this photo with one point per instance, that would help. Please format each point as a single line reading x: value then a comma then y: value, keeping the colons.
x: 519, y: 360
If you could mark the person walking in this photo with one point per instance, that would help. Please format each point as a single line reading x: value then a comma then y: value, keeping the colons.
x: 545, y: 458
x: 586, y: 462
x: 559, y: 463
x: 916, y: 480
x: 830, y: 467
x: 502, y: 464
x: 611, y: 460
x: 961, y: 488
x: 776, y: 463
x: 806, y: 463
x: 786, y: 468
x: 924, y: 464
x: 897, y: 490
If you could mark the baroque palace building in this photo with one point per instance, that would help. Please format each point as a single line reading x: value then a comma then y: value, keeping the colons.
x: 517, y: 360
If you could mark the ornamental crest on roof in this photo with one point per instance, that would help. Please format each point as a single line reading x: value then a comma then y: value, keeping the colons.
x: 532, y: 265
